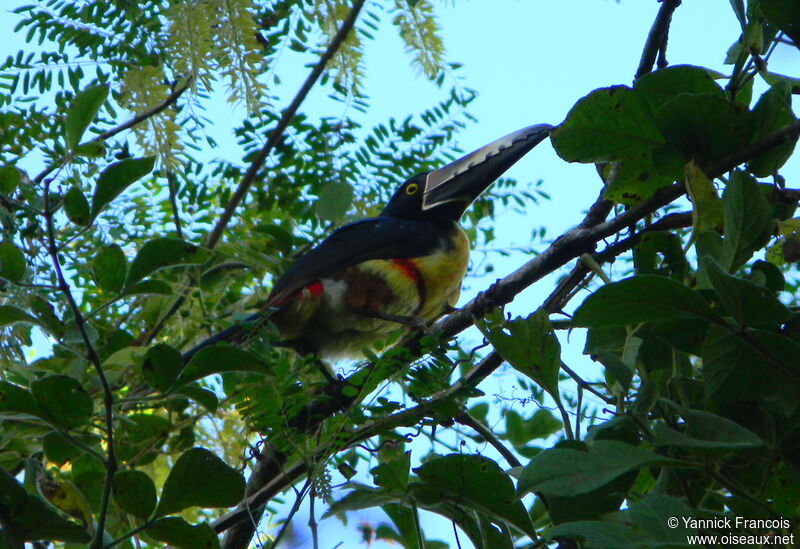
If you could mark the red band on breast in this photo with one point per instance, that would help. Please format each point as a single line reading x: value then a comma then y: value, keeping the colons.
x: 410, y: 270
x: 315, y: 288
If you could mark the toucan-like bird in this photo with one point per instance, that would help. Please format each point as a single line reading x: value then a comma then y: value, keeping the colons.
x: 398, y: 270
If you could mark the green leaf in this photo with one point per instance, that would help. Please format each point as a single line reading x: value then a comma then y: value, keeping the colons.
x: 46, y: 316
x: 10, y: 177
x: 201, y: 395
x: 161, y: 366
x: 661, y: 253
x: 705, y: 127
x: 12, y: 262
x: 729, y: 361
x: 11, y: 315
x: 643, y: 298
x: 568, y: 472
x: 595, y: 534
x: 747, y: 303
x: 527, y: 344
x: 479, y: 483
x: 199, y: 478
x: 784, y: 14
x: 134, y: 492
x: 633, y: 179
x: 773, y: 112
x: 82, y: 110
x: 748, y: 220
x: 77, y: 207
x: 220, y: 358
x: 91, y: 149
x: 706, y: 431
x: 116, y: 178
x: 58, y: 449
x: 621, y: 372
x: 178, y: 533
x: 38, y: 521
x: 334, y: 201
x: 161, y: 253
x: 658, y: 87
x: 65, y: 401
x: 148, y: 287
x: 12, y: 494
x: 651, y: 515
x: 707, y: 211
x: 392, y: 474
x: 16, y: 400
x: 110, y: 267
x: 608, y: 124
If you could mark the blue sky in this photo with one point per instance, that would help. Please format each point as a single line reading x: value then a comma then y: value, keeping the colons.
x: 530, y: 60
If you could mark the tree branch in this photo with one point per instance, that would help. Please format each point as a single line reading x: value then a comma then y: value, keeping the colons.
x: 275, y: 135
x: 110, y: 462
x: 270, y: 477
x: 656, y: 44
x: 465, y: 419
x: 241, y: 534
x: 135, y: 121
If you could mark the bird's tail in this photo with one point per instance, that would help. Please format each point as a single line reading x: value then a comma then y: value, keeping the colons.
x: 240, y: 333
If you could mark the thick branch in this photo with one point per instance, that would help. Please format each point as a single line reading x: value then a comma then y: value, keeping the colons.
x: 275, y: 135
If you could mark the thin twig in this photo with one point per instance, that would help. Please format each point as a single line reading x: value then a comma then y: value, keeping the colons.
x: 585, y: 384
x: 108, y: 398
x: 465, y: 419
x: 292, y: 512
x: 656, y: 44
x: 136, y: 120
x: 172, y: 183
x: 276, y: 134
x: 312, y: 521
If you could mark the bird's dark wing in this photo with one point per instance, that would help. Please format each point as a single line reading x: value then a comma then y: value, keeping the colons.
x: 374, y: 238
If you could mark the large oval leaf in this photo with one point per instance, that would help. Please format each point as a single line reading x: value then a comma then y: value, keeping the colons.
x: 161, y: 253
x: 199, y: 478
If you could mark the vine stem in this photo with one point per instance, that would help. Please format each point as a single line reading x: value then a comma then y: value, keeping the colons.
x: 110, y: 462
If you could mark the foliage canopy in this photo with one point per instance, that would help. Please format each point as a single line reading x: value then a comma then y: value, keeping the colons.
x: 127, y: 244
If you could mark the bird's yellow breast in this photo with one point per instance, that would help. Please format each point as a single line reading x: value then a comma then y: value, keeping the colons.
x: 442, y: 273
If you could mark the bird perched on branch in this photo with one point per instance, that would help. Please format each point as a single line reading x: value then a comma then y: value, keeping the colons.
x: 401, y: 269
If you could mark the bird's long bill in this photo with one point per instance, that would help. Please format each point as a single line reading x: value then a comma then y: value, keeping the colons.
x: 466, y: 178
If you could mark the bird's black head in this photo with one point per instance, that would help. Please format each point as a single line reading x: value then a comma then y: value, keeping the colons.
x: 446, y: 193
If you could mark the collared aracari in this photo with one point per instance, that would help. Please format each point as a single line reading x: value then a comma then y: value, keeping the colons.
x: 398, y: 270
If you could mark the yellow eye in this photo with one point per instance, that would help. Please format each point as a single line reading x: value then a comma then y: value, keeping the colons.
x: 412, y: 188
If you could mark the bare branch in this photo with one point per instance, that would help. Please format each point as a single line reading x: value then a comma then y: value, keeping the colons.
x: 656, y: 44
x: 110, y: 462
x: 465, y: 419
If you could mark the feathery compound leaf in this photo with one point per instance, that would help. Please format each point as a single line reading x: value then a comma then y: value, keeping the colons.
x: 420, y: 33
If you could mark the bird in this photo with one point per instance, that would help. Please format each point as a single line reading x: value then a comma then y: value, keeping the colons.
x: 398, y: 271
